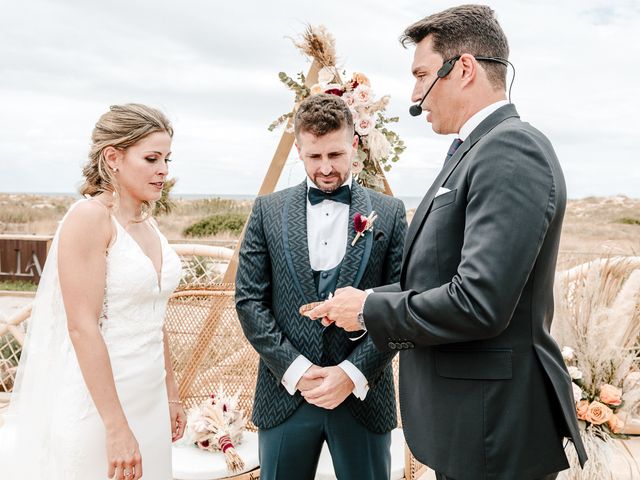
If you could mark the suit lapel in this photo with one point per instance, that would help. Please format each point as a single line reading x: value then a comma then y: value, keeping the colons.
x: 294, y: 236
x: 497, y: 117
x: 356, y: 258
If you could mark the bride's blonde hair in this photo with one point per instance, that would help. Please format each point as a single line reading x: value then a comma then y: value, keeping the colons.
x: 121, y: 127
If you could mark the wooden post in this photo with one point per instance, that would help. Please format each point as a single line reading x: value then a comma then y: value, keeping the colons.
x: 273, y: 174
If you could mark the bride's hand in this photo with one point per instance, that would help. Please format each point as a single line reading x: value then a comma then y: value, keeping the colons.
x: 123, y: 455
x: 178, y: 420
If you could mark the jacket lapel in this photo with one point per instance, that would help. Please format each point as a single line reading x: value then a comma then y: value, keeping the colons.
x: 356, y: 257
x: 294, y: 236
x: 488, y: 124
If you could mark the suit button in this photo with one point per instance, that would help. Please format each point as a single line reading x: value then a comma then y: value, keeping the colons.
x: 323, y: 295
x: 391, y: 345
x: 325, y: 274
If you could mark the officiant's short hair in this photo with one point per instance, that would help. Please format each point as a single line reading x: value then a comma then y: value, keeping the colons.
x: 323, y: 113
x: 471, y: 29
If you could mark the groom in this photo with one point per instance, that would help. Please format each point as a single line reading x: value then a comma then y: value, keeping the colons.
x: 318, y: 384
x: 484, y: 390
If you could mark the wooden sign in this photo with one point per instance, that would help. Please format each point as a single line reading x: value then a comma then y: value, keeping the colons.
x: 22, y: 258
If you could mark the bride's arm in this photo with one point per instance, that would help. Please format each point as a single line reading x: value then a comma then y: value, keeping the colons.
x: 83, y: 242
x: 176, y: 412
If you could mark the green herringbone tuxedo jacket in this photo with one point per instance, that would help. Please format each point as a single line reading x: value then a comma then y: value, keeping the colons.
x: 275, y: 278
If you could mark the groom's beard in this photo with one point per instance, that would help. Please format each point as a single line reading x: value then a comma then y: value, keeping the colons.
x: 331, y: 182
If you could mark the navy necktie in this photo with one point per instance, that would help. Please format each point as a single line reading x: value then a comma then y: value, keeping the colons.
x: 452, y: 149
x: 342, y: 195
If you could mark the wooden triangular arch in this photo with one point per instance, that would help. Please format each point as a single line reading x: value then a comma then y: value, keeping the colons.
x: 275, y: 170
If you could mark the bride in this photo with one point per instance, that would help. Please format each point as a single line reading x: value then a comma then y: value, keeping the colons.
x: 95, y: 395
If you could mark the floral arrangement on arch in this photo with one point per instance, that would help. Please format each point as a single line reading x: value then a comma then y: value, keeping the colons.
x: 379, y: 147
x: 217, y: 425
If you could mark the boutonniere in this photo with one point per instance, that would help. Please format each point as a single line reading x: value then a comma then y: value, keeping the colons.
x: 362, y: 224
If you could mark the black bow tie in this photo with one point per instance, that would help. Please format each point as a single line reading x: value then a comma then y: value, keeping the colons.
x: 342, y: 195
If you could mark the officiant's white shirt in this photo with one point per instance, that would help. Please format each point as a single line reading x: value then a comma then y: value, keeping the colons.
x: 477, y: 118
x: 327, y: 230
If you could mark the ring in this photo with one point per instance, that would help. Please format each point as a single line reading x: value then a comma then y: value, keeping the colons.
x: 127, y: 473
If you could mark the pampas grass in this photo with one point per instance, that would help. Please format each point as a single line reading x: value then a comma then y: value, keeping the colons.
x: 317, y: 43
x: 598, y: 315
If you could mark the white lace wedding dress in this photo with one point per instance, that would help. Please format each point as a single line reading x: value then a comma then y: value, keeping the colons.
x: 54, y: 430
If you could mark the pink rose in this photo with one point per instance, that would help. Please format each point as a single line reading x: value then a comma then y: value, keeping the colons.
x: 598, y: 413
x: 356, y: 166
x: 363, y: 125
x: 610, y: 395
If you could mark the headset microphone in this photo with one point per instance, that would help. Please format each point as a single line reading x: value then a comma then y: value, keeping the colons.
x: 445, y: 70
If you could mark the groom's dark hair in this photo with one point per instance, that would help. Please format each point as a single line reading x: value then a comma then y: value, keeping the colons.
x: 471, y: 29
x: 323, y: 113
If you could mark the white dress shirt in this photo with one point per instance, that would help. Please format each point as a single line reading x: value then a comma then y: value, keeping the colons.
x: 327, y: 233
x: 477, y: 118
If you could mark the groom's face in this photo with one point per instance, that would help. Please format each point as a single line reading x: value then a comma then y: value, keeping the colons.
x: 327, y: 158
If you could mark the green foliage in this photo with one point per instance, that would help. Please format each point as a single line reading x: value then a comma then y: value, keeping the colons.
x: 218, y: 223
x: 629, y: 221
x: 18, y: 286
x: 165, y: 205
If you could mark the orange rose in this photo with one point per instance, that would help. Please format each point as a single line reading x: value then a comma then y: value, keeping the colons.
x: 581, y: 409
x: 598, y: 413
x: 361, y: 78
x: 615, y: 424
x: 610, y: 395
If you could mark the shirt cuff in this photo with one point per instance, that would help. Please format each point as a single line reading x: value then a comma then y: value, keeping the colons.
x: 295, y: 372
x: 359, y: 380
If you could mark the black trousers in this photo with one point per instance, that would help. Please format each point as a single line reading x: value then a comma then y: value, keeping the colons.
x: 551, y: 476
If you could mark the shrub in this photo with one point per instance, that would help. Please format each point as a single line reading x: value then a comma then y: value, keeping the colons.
x: 215, y: 224
x: 629, y: 221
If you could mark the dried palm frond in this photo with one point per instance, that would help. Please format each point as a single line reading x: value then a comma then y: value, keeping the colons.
x: 317, y: 43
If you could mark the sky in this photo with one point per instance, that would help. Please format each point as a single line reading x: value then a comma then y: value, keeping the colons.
x: 213, y: 66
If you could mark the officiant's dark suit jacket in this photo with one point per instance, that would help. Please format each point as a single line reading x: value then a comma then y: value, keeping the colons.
x: 484, y: 392
x: 275, y: 278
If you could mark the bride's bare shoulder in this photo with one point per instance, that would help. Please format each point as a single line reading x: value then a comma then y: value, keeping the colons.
x: 89, y: 217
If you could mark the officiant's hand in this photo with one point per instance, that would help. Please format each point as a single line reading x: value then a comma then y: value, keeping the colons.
x: 334, y: 389
x: 311, y: 381
x: 342, y: 309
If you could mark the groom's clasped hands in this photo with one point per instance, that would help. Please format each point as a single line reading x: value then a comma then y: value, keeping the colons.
x: 325, y: 387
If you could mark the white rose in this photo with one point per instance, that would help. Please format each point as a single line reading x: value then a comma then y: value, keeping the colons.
x: 350, y: 100
x: 568, y: 353
x: 577, y: 392
x: 325, y: 75
x: 379, y: 146
x: 356, y: 166
x: 362, y: 94
x: 363, y: 125
x: 575, y: 373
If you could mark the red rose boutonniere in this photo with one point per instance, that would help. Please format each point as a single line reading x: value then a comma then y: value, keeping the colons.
x: 362, y: 224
